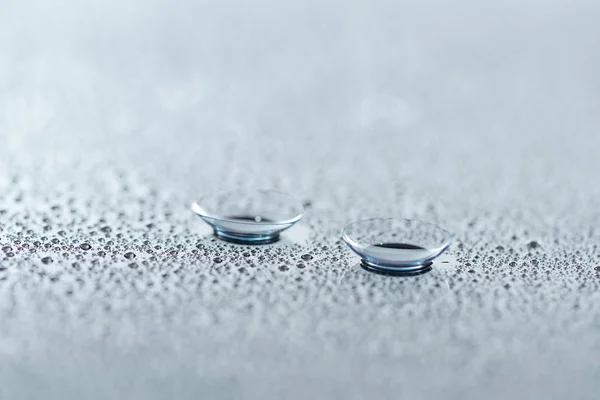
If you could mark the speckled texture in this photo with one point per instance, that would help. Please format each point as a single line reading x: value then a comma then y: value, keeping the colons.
x: 115, y: 116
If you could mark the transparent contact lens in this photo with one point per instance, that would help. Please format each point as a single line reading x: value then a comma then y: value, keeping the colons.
x: 249, y: 217
x: 396, y: 246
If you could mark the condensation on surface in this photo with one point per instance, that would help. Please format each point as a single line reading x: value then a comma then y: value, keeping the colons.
x: 481, y: 120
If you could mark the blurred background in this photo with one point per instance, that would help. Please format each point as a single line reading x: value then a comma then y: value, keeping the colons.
x: 501, y: 90
x: 479, y: 116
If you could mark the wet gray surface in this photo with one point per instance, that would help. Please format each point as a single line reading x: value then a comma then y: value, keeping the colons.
x: 116, y: 116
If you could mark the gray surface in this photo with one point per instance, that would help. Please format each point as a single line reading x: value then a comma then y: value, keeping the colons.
x: 482, y: 118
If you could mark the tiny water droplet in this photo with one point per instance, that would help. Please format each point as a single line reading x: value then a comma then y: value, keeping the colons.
x: 218, y: 260
x: 105, y: 229
x: 283, y: 268
x: 85, y: 246
x: 6, y: 249
x: 46, y: 260
x: 306, y: 257
x: 129, y: 255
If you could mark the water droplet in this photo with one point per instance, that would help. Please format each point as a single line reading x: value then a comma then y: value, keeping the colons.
x: 283, y: 268
x: 10, y: 254
x: 85, y: 246
x: 533, y: 245
x: 46, y: 260
x: 132, y: 265
x: 105, y: 229
x: 218, y: 260
x: 6, y: 249
x: 306, y: 257
x: 129, y: 255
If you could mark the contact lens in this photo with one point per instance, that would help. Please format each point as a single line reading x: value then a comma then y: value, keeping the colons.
x: 249, y: 217
x: 392, y: 245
